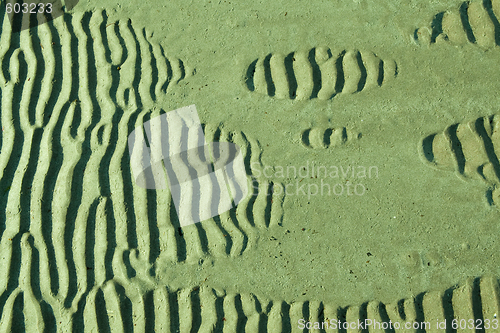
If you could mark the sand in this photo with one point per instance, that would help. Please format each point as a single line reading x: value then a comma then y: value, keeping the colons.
x: 390, y: 113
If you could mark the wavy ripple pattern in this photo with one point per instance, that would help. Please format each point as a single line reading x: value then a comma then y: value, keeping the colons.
x: 70, y: 218
x: 116, y: 307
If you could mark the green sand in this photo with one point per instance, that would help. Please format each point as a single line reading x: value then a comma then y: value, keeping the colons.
x: 426, y: 229
x: 415, y: 229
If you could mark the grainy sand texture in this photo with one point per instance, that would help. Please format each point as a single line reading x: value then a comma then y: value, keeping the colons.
x: 369, y: 132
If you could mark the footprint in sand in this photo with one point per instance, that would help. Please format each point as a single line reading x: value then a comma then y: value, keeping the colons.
x: 319, y: 73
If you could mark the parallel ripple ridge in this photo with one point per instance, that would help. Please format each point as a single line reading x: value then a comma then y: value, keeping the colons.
x: 318, y: 73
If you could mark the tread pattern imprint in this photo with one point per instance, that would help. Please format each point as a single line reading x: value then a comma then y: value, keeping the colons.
x: 474, y: 22
x: 320, y: 73
x: 471, y: 149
